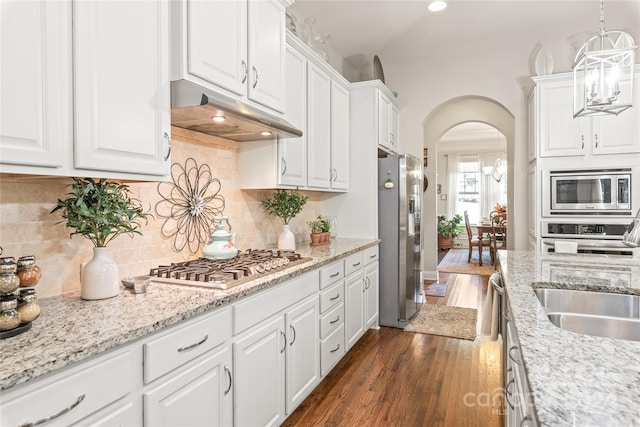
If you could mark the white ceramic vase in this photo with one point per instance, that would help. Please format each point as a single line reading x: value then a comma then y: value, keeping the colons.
x: 286, y: 239
x: 100, y: 278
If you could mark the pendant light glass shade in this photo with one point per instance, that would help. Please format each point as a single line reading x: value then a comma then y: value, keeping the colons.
x: 603, y: 73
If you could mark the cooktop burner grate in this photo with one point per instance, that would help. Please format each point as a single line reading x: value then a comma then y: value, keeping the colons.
x: 223, y: 274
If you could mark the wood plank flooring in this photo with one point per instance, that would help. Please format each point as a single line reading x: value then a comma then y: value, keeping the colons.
x: 396, y: 378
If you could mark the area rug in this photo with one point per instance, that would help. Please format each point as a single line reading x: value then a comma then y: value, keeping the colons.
x: 435, y: 289
x: 443, y: 320
x: 456, y: 262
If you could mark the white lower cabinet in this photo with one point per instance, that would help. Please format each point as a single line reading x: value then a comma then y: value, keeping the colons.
x: 371, y: 276
x: 354, y: 295
x: 198, y: 395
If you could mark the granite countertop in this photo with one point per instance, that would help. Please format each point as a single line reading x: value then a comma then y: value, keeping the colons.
x: 70, y: 329
x: 575, y: 379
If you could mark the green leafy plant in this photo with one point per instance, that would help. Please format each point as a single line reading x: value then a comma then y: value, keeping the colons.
x: 449, y: 228
x: 284, y: 204
x: 101, y: 210
x: 319, y: 225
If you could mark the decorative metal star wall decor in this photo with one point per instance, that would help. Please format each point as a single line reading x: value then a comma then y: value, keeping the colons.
x: 189, y: 204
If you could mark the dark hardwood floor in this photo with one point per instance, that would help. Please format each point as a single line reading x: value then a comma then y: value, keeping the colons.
x: 396, y: 378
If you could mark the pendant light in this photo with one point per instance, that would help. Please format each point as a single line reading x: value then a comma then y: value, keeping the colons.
x: 603, y: 73
x: 499, y: 169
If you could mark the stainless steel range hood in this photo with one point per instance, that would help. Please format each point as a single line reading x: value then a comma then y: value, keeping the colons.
x: 194, y: 107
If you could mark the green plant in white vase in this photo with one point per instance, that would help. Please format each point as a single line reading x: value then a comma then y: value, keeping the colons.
x: 100, y: 211
x: 285, y: 205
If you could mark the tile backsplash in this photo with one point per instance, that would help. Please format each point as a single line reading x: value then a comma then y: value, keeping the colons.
x: 28, y: 228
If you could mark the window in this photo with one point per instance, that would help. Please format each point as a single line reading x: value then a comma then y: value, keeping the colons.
x: 469, y: 186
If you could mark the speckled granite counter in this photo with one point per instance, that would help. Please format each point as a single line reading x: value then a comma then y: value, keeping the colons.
x: 70, y: 329
x: 575, y: 380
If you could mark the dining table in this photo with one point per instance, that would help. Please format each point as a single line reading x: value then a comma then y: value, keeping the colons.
x: 487, y: 229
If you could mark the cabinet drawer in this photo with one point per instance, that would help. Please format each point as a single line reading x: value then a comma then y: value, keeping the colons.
x: 331, y: 350
x: 371, y: 255
x: 71, y: 395
x: 331, y: 321
x: 353, y: 263
x: 272, y: 301
x: 332, y: 296
x: 184, y: 344
x: 331, y: 273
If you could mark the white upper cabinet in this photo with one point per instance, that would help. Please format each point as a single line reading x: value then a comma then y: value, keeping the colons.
x: 237, y: 47
x: 35, y: 77
x: 339, y: 137
x: 559, y: 134
x: 83, y: 96
x: 122, y: 120
x: 319, y: 128
x: 388, y: 126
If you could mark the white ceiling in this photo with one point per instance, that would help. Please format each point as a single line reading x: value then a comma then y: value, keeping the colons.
x: 404, y: 30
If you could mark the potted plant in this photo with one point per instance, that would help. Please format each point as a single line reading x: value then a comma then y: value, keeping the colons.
x: 319, y: 230
x: 100, y: 211
x: 448, y: 230
x: 285, y: 205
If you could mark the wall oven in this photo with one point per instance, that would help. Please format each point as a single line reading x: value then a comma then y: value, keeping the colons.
x: 589, y: 238
x: 590, y: 192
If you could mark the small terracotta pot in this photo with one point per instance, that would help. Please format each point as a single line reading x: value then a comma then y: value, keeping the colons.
x: 315, y: 238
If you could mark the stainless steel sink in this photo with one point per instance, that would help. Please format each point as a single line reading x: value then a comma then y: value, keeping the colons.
x: 588, y: 302
x: 600, y: 326
x: 593, y: 313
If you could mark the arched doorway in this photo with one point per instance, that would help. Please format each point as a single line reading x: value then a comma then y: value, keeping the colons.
x: 447, y: 115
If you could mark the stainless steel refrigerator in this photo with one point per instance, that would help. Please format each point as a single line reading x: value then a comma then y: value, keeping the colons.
x: 399, y: 216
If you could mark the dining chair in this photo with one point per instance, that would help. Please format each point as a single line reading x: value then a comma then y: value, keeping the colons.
x: 498, y: 234
x: 473, y: 240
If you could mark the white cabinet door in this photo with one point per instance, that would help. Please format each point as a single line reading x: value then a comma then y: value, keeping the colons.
x: 199, y: 395
x: 217, y: 43
x: 318, y: 128
x: 371, y: 295
x: 122, y: 413
x: 558, y: 132
x: 266, y: 53
x: 259, y: 385
x: 303, y: 351
x: 354, y: 307
x: 36, y: 85
x: 121, y: 70
x: 292, y: 152
x: 384, y: 111
x: 339, y: 137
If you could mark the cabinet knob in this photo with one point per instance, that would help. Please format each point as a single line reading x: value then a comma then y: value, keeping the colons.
x: 168, y: 139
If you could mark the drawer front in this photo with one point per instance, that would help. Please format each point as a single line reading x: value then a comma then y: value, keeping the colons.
x: 331, y: 321
x: 371, y: 255
x: 272, y: 301
x: 71, y: 395
x: 331, y: 274
x: 332, y: 296
x: 185, y: 343
x: 353, y: 263
x: 331, y: 350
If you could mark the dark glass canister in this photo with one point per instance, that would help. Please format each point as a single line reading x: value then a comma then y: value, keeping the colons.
x: 28, y: 272
x: 9, y: 280
x: 9, y: 316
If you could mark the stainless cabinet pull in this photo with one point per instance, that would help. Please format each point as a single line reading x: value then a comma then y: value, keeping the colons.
x: 284, y: 166
x: 244, y: 71
x: 336, y: 274
x: 336, y: 349
x: 166, y: 137
x: 330, y: 174
x: 526, y: 419
x: 334, y: 298
x: 228, y: 371
x: 364, y: 284
x: 596, y: 147
x: 582, y: 137
x: 255, y: 74
x: 506, y: 397
x: 373, y: 256
x: 517, y: 362
x: 54, y: 416
x: 368, y: 282
x: 189, y: 347
x: 294, y: 335
x: 335, y: 177
x: 335, y: 321
x: 356, y: 264
x: 284, y: 338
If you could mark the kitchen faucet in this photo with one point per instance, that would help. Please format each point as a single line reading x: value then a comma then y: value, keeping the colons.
x: 631, y: 237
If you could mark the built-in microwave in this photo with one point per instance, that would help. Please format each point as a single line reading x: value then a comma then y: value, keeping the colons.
x: 590, y: 192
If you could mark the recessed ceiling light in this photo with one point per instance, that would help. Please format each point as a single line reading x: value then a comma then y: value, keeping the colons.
x: 265, y: 133
x: 437, y: 6
x: 218, y: 118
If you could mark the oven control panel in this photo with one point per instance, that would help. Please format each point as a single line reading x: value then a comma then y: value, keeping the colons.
x: 555, y: 229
